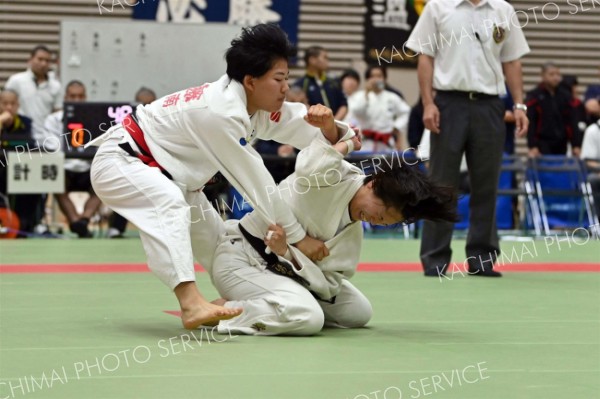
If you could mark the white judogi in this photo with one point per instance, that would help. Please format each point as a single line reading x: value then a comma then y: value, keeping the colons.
x: 193, y: 134
x: 319, y: 193
x: 381, y: 112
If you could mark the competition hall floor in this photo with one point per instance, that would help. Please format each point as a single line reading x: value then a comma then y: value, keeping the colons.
x: 84, y: 319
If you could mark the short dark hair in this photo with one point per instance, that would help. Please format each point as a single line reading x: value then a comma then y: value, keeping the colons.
x: 39, y: 47
x: 569, y: 81
x: 409, y: 191
x: 312, y: 51
x: 548, y: 65
x: 144, y: 90
x: 373, y: 67
x: 350, y: 73
x: 256, y: 49
x: 74, y: 82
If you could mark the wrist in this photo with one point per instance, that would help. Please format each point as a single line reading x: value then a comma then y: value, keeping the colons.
x: 520, y: 107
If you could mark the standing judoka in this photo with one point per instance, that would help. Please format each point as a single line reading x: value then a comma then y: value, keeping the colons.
x: 330, y: 197
x: 152, y: 167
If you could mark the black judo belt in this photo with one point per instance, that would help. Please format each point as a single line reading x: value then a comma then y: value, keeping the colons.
x: 274, y: 265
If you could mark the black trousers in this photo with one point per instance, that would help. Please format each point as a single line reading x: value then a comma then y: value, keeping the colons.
x: 475, y: 128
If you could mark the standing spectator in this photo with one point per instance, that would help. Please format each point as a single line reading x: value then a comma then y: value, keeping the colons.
x: 77, y: 171
x: 592, y: 101
x: 382, y: 115
x: 38, y: 90
x: 319, y: 88
x: 466, y: 116
x: 117, y: 224
x: 39, y: 95
x: 590, y: 153
x: 550, y: 112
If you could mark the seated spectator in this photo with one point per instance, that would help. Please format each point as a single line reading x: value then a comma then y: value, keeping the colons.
x: 77, y: 171
x: 551, y: 121
x: 590, y: 153
x: 15, y: 130
x: 349, y: 82
x: 117, y: 224
x: 592, y: 101
x: 319, y: 88
x: 381, y: 114
x: 569, y: 83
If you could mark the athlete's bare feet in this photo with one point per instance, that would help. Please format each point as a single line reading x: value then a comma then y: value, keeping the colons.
x: 196, y: 311
x: 207, y: 314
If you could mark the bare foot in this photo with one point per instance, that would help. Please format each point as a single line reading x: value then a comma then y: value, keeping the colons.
x: 207, y: 314
x: 219, y: 301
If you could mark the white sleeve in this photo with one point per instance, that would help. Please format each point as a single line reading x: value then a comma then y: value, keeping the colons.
x: 53, y: 133
x: 287, y: 126
x: 421, y: 40
x: 11, y: 84
x: 357, y: 104
x: 515, y: 46
x: 323, y: 165
x: 243, y: 167
x: 590, y: 149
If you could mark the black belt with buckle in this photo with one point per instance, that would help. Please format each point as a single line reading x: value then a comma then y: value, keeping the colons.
x: 471, y: 95
x: 277, y: 267
x: 273, y: 263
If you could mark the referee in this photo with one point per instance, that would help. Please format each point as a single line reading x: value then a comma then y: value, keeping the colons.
x: 467, y: 48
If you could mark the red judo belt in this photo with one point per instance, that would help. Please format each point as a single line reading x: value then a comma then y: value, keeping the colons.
x: 377, y: 136
x: 136, y: 133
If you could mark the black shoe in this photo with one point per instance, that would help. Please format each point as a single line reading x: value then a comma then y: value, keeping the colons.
x: 484, y: 273
x: 80, y: 227
x: 436, y: 272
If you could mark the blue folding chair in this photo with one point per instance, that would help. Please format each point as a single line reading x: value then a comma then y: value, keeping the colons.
x: 562, y: 192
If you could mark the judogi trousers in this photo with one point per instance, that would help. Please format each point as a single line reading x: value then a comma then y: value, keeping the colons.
x: 476, y: 128
x: 278, y: 305
x: 175, y: 225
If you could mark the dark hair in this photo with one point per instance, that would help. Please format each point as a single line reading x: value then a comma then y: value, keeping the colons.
x: 312, y: 51
x: 350, y: 73
x: 372, y: 67
x: 39, y: 47
x: 74, y: 83
x: 409, y: 191
x: 256, y: 49
x: 548, y: 65
x: 144, y: 90
x: 569, y: 81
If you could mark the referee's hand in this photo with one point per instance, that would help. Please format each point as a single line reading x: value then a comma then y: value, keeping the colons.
x: 431, y: 118
x: 521, y: 122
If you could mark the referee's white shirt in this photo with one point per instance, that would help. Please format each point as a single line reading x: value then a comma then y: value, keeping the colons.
x: 469, y: 43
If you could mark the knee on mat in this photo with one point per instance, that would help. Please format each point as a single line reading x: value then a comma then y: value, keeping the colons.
x: 359, y: 316
x: 308, y: 319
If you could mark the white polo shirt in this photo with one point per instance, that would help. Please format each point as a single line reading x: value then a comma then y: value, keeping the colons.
x: 469, y: 43
x: 36, y: 101
x: 590, y: 149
